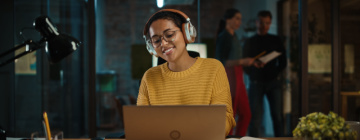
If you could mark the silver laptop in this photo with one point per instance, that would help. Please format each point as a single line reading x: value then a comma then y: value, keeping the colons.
x: 185, y: 122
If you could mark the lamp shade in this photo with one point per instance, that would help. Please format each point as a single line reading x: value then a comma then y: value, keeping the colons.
x: 58, y: 45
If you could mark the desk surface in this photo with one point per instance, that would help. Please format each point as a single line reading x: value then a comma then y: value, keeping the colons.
x: 279, y: 138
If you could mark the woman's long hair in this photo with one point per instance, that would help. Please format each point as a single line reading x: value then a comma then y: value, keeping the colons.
x: 229, y: 13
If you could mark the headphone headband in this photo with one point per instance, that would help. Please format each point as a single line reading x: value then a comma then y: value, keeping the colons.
x: 146, y: 28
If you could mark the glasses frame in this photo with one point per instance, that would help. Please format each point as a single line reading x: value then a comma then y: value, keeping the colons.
x: 162, y: 37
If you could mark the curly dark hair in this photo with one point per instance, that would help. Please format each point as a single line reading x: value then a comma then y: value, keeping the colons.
x: 175, y: 17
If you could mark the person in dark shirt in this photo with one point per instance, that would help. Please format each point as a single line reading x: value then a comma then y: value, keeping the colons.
x: 266, y: 79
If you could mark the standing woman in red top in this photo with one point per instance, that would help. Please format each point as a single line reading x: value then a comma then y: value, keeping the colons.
x: 229, y: 52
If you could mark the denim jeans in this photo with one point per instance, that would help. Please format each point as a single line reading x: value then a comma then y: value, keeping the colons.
x: 272, y: 90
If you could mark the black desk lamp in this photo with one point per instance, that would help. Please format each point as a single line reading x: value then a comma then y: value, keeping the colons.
x: 57, y: 45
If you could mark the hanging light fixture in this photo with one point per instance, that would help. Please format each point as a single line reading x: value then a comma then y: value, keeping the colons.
x: 160, y: 3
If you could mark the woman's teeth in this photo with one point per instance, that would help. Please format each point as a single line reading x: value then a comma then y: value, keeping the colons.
x: 168, y: 50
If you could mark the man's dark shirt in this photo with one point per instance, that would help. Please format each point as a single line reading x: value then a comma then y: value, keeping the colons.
x: 259, y: 43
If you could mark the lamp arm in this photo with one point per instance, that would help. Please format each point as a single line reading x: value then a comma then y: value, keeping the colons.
x: 32, y: 47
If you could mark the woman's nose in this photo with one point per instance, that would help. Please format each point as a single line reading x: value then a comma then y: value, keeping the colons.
x: 163, y: 42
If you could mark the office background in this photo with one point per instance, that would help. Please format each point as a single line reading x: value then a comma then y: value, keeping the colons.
x: 83, y: 92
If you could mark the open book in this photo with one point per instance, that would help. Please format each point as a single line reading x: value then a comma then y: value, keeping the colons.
x: 267, y: 58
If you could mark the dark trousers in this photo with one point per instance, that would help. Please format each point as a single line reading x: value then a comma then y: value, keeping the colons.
x: 272, y: 90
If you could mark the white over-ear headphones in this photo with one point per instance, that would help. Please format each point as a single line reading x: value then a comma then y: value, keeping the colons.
x: 187, y: 29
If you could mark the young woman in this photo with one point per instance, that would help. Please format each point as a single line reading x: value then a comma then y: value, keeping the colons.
x: 229, y: 52
x: 182, y: 80
x: 228, y: 46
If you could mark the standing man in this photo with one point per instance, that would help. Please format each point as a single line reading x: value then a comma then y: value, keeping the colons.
x: 265, y: 80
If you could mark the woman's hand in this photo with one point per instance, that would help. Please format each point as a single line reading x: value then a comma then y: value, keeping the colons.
x: 259, y: 64
x: 247, y: 61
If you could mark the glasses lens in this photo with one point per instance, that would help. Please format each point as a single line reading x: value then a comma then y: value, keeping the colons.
x: 170, y: 36
x: 156, y: 41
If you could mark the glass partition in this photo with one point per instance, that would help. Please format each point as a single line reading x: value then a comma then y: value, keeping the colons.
x: 58, y: 89
x: 350, y: 59
x: 319, y: 56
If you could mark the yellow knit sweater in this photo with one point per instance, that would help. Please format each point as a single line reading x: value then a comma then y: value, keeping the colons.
x: 204, y: 83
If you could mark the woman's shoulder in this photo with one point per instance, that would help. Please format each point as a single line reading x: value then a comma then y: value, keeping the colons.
x: 212, y: 62
x: 212, y: 67
x: 153, y: 71
x: 224, y: 34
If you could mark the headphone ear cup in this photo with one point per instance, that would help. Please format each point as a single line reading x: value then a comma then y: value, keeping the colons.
x: 185, y: 32
x: 189, y: 32
x: 192, y: 32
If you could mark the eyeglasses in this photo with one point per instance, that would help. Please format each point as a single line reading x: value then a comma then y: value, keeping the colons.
x: 168, y: 36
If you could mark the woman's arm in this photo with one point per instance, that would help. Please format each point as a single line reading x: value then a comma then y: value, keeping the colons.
x: 221, y: 95
x: 243, y: 62
x: 143, y: 97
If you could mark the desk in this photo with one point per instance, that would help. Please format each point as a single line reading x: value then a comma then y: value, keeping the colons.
x: 280, y: 138
x: 344, y: 96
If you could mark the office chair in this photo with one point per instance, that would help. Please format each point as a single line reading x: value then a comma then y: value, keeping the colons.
x: 191, y: 53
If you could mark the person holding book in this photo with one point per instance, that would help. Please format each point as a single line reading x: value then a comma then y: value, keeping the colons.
x: 265, y: 80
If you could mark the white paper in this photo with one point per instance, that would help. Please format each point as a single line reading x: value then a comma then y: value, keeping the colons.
x: 269, y: 57
x: 12, y: 138
x: 245, y: 138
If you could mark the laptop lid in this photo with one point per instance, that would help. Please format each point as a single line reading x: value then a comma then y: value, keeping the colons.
x: 185, y: 122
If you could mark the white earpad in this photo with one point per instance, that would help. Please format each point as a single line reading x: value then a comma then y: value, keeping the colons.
x: 192, y: 31
x: 189, y: 32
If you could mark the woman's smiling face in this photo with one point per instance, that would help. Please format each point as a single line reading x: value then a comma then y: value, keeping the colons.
x: 172, y: 49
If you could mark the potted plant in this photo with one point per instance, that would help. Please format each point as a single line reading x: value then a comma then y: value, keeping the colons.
x: 319, y: 126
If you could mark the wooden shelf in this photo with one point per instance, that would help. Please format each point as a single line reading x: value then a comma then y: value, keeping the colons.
x: 344, y: 96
